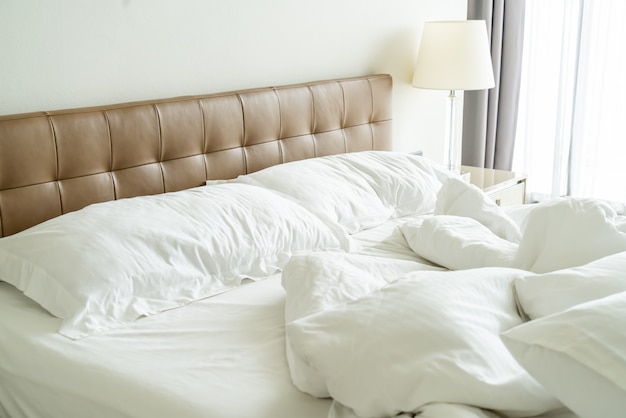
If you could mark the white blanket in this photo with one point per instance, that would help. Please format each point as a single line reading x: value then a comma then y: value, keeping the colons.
x: 400, y: 343
x: 315, y: 283
x: 570, y: 232
x: 458, y: 243
x: 555, y: 234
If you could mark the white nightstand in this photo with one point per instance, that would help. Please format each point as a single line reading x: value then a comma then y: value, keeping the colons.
x: 504, y: 187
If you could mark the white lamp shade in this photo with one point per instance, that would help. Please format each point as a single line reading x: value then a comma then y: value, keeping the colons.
x: 454, y: 55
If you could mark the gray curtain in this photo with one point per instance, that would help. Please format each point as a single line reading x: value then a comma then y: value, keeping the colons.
x: 490, y: 116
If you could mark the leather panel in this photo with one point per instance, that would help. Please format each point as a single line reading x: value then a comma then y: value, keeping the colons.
x: 223, y: 123
x: 383, y: 134
x: 329, y: 106
x: 27, y: 152
x: 226, y: 164
x: 18, y: 211
x: 358, y: 102
x: 78, y: 192
x: 82, y: 141
x: 296, y: 112
x: 184, y: 173
x: 138, y: 181
x: 329, y: 143
x: 298, y: 148
x: 135, y: 136
x: 359, y: 138
x: 182, y: 132
x: 261, y: 156
x: 381, y: 93
x: 261, y: 117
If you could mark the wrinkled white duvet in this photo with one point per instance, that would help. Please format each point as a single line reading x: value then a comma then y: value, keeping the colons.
x: 387, y: 338
x: 382, y: 342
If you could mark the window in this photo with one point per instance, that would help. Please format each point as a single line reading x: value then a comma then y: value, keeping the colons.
x: 571, y: 136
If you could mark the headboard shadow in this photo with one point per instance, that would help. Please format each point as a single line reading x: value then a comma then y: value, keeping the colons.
x: 60, y: 161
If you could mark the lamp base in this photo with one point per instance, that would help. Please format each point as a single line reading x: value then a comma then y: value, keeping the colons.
x: 454, y: 168
x: 452, y: 151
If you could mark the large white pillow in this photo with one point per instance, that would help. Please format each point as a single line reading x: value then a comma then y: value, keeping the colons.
x: 457, y: 242
x: 579, y: 355
x: 544, y: 294
x: 405, y: 182
x: 425, y: 338
x: 112, y: 262
x: 315, y: 282
x: 357, y: 190
x: 568, y: 232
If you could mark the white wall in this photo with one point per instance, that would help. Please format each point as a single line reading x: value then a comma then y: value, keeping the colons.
x: 73, y: 53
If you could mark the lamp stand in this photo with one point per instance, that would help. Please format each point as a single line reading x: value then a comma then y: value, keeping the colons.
x: 453, y: 163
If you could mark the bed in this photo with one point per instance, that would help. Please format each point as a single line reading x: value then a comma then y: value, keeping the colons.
x: 264, y: 253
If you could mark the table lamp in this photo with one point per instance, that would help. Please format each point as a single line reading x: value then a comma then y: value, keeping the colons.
x: 454, y: 55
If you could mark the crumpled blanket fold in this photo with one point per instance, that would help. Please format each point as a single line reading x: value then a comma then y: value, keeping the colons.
x: 469, y: 231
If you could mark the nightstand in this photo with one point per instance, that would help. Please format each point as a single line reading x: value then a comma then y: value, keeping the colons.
x: 504, y: 187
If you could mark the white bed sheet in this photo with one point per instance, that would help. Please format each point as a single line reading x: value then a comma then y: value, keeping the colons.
x: 219, y: 357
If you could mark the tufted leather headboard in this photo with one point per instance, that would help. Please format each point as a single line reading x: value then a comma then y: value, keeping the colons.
x: 56, y: 162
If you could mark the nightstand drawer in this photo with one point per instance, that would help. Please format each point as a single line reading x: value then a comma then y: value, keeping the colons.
x: 514, y: 195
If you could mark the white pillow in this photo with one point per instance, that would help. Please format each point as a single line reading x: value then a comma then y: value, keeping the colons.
x: 460, y: 198
x: 428, y: 337
x: 113, y: 262
x: 315, y: 282
x: 568, y: 232
x: 544, y: 294
x: 457, y: 243
x: 579, y: 355
x: 355, y: 190
x: 404, y: 182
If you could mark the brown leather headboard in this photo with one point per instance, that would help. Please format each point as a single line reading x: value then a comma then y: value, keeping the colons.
x: 56, y: 162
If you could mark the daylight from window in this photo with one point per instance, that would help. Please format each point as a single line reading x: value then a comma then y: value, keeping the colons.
x: 570, y: 135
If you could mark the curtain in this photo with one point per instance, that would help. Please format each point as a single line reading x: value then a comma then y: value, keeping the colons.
x: 570, y: 140
x: 490, y: 116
